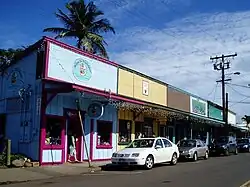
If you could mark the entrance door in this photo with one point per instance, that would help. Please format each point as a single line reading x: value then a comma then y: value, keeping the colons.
x: 74, y: 135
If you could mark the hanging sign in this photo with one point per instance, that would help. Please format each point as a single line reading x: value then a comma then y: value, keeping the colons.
x: 95, y: 110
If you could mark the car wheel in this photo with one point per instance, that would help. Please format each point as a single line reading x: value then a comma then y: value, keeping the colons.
x: 174, y: 159
x: 149, y: 163
x: 206, y: 155
x: 236, y: 151
x: 195, y: 157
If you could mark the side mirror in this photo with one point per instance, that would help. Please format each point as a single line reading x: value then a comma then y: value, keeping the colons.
x: 157, y: 147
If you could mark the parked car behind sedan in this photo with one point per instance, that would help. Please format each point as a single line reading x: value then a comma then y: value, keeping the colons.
x: 193, y: 149
x: 243, y: 144
x: 147, y: 152
x: 224, y: 145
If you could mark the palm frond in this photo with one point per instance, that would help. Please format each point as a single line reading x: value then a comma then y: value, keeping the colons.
x: 102, y: 25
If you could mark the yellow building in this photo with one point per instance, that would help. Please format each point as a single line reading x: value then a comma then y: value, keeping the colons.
x: 139, y: 119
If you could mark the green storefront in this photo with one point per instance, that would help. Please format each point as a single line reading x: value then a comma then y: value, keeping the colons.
x: 215, y: 111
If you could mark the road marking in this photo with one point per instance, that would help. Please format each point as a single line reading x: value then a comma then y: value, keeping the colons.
x: 246, y: 184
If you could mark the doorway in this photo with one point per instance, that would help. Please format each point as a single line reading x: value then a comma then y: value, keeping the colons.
x: 74, y: 137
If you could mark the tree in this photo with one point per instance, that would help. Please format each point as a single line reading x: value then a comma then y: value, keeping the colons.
x: 7, y: 55
x: 246, y: 119
x: 85, y: 23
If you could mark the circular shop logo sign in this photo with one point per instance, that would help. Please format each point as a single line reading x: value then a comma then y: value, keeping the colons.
x: 82, y: 70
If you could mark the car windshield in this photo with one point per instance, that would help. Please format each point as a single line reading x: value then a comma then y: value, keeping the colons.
x: 242, y: 141
x: 221, y: 140
x: 142, y: 143
x: 187, y: 143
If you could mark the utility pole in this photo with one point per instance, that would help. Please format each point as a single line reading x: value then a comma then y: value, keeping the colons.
x: 222, y: 66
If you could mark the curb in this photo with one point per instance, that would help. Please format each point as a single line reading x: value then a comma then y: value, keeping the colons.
x: 90, y: 170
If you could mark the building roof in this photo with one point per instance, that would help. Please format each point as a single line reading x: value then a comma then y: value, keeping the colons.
x: 38, y: 44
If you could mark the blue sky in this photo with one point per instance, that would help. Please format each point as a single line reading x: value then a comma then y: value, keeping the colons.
x: 171, y: 40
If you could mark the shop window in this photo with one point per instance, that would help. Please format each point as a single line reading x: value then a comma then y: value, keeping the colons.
x: 124, y: 132
x: 53, y: 131
x: 143, y: 130
x: 104, y: 135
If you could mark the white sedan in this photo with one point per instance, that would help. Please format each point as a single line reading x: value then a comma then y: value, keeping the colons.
x: 147, y: 152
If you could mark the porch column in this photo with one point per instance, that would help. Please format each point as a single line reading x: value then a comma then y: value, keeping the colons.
x: 133, y: 130
x: 207, y: 140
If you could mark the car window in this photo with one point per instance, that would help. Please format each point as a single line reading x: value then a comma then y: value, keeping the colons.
x: 166, y: 143
x: 159, y: 143
x: 201, y: 143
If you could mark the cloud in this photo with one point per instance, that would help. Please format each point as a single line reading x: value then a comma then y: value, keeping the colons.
x: 179, y: 53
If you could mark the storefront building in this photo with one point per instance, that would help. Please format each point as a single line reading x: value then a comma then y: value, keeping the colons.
x: 56, y: 97
x: 52, y: 95
x: 138, y: 121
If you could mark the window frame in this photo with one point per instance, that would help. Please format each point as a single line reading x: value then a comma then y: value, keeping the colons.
x: 63, y: 124
x: 168, y: 143
x: 110, y: 136
x: 128, y: 142
x: 162, y: 144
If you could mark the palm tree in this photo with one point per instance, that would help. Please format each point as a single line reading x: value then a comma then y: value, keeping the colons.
x: 246, y: 118
x: 85, y: 23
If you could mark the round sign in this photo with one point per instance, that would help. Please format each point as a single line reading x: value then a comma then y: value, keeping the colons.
x: 95, y: 110
x: 82, y: 70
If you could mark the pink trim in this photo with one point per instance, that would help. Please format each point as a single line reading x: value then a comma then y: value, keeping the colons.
x: 101, y: 160
x: 91, y: 142
x: 94, y: 91
x: 114, y: 96
x: 46, y: 60
x: 53, y: 147
x: 104, y: 147
x: 110, y: 138
x: 79, y: 51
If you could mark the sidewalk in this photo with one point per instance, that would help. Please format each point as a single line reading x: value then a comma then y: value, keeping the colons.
x: 15, y: 175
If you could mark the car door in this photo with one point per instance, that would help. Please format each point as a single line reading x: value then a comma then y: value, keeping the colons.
x: 199, y: 148
x: 159, y: 151
x: 168, y: 150
x: 203, y: 148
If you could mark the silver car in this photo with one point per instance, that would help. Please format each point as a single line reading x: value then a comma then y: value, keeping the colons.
x: 193, y: 149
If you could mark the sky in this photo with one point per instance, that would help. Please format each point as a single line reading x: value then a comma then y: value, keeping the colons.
x: 171, y: 40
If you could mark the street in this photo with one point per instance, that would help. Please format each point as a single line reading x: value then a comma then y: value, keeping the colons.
x: 232, y: 171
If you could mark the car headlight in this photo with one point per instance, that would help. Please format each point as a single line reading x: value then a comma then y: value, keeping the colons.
x: 135, y: 154
x: 224, y: 146
x: 114, y: 155
x: 245, y: 146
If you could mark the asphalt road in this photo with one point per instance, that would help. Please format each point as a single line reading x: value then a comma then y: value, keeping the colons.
x: 230, y: 171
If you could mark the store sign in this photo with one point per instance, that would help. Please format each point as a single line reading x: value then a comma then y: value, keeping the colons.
x: 215, y: 113
x: 95, y: 110
x: 198, y: 106
x: 145, y: 88
x: 231, y: 118
x: 72, y: 67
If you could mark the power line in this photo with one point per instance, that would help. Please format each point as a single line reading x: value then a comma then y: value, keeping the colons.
x: 242, y: 86
x: 244, y: 95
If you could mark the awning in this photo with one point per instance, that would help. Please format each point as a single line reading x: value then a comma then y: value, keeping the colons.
x: 211, y: 121
x: 68, y: 87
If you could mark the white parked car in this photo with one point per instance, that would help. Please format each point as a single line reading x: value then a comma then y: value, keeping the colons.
x: 147, y: 152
